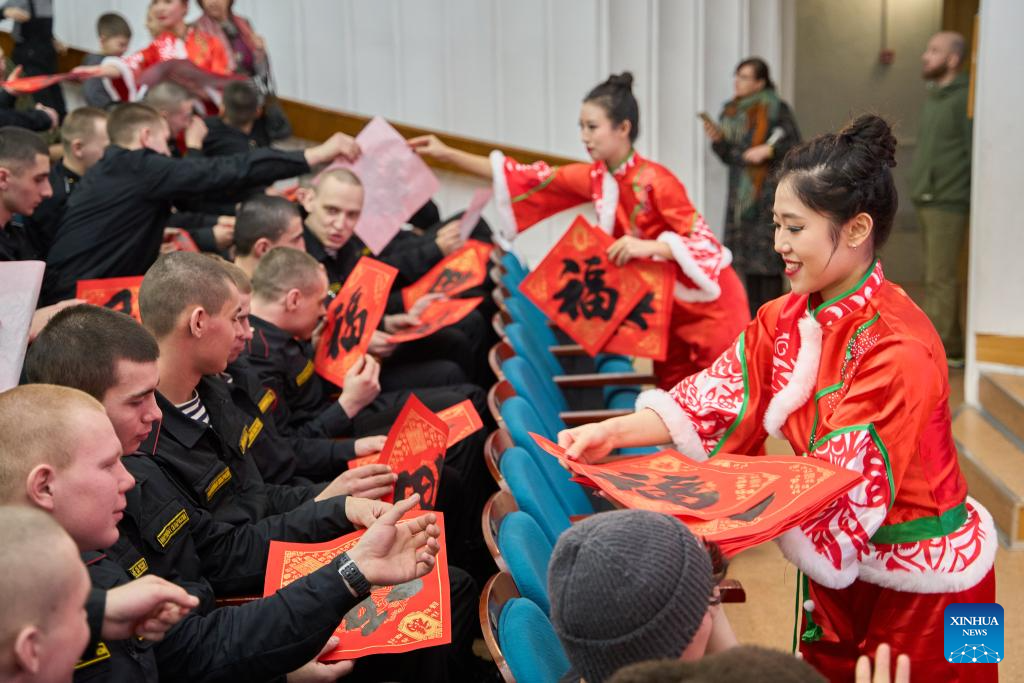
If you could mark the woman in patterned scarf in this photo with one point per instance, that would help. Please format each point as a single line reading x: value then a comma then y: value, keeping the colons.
x: 756, y: 130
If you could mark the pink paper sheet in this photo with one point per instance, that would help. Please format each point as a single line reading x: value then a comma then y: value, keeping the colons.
x: 472, y: 215
x: 396, y: 182
x: 19, y: 291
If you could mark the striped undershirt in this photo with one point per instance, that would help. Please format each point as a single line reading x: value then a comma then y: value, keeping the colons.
x: 195, y: 409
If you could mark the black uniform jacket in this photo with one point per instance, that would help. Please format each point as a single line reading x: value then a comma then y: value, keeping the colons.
x: 284, y: 365
x: 214, y: 465
x: 114, y: 222
x: 313, y: 458
x: 258, y: 641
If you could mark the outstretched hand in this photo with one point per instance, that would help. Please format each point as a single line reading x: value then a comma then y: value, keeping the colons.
x: 429, y: 146
x: 146, y: 608
x: 391, y: 553
x: 587, y: 443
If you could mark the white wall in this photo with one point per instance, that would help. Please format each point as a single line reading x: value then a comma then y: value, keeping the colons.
x: 996, y: 279
x: 512, y: 72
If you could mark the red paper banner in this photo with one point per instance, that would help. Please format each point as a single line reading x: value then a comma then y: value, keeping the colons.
x: 119, y: 293
x: 392, y: 619
x: 580, y: 291
x: 352, y: 317
x: 735, y: 500
x: 462, y: 420
x: 415, y: 452
x: 31, y: 84
x: 438, y: 315
x: 645, y: 330
x: 463, y: 269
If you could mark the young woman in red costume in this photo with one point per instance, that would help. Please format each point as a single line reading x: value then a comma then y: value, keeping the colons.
x: 174, y: 40
x: 638, y: 201
x: 847, y: 369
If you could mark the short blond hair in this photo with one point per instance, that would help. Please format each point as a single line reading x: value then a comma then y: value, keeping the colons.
x: 35, y: 579
x: 34, y: 430
x: 282, y: 269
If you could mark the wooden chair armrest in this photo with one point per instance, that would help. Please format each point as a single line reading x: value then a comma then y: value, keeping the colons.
x: 732, y: 590
x: 575, y: 418
x: 601, y: 379
x: 559, y: 350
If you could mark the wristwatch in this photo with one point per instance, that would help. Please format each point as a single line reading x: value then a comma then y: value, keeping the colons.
x: 348, y: 570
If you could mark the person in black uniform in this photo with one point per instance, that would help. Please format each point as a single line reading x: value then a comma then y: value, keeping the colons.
x: 35, y: 47
x: 84, y: 138
x: 292, y: 457
x: 114, y: 222
x: 333, y: 208
x: 191, y: 306
x: 289, y: 290
x: 24, y: 185
x: 261, y: 640
x: 262, y: 223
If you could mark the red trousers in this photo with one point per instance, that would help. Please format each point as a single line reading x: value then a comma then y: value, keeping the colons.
x: 701, y: 332
x: 855, y: 620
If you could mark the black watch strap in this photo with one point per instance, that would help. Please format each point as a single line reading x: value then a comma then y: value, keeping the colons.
x: 353, y: 577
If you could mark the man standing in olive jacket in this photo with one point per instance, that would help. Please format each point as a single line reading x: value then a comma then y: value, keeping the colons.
x: 940, y: 178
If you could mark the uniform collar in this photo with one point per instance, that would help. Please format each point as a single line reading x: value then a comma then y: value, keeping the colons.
x: 853, y: 299
x: 626, y: 165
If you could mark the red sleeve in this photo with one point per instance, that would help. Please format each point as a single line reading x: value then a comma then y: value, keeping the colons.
x: 528, y: 193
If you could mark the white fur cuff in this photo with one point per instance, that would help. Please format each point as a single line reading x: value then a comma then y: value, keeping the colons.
x: 707, y: 289
x: 502, y: 199
x: 683, y: 433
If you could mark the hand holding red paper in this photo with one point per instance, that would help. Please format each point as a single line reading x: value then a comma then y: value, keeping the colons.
x: 459, y: 271
x: 352, y: 318
x: 737, y: 501
x: 415, y: 451
x: 395, y: 180
x: 406, y: 561
x: 579, y: 290
x: 438, y: 315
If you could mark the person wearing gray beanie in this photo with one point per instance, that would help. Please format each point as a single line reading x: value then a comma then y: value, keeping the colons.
x: 628, y: 586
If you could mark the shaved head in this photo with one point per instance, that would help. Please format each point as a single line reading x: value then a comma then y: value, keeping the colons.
x: 943, y: 56
x: 43, y: 626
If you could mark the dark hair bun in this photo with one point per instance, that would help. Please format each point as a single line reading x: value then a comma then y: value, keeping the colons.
x: 873, y: 134
x: 622, y: 80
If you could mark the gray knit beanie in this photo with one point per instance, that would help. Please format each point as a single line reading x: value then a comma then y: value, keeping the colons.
x: 627, y: 586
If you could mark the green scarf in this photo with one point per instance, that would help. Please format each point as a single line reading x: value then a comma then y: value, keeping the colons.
x: 746, y: 122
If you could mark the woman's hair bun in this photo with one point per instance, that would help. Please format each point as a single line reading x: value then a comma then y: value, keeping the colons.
x: 873, y: 133
x: 622, y: 80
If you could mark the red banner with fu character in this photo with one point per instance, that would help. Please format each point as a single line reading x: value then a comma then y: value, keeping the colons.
x: 736, y: 501
x: 438, y: 315
x: 415, y: 451
x: 463, y: 269
x: 118, y: 293
x: 393, y: 619
x: 352, y: 317
x: 645, y: 331
x: 580, y: 290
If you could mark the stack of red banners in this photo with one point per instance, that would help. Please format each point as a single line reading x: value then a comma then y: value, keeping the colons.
x: 601, y: 306
x: 737, y: 501
x: 393, y: 619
